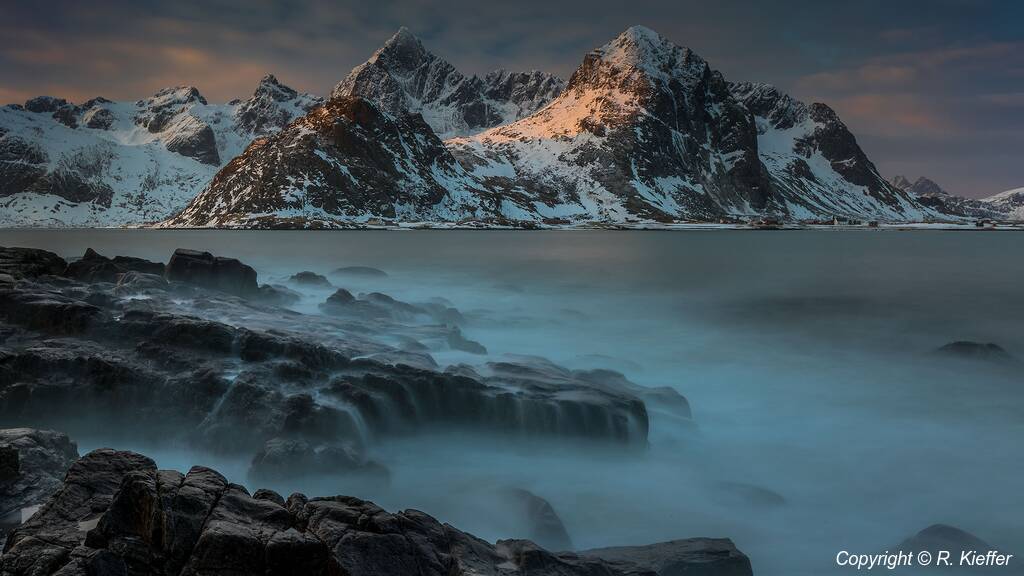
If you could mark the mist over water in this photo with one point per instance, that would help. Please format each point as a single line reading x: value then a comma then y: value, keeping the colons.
x: 822, y: 420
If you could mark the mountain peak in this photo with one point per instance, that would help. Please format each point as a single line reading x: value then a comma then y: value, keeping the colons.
x: 642, y: 51
x: 270, y: 86
x: 402, y: 48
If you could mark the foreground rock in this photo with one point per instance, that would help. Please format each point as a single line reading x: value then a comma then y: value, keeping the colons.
x: 214, y: 272
x: 191, y: 360
x: 32, y: 465
x: 117, y: 514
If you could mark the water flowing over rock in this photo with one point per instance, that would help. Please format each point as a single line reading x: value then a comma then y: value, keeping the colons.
x: 117, y: 514
x: 211, y: 359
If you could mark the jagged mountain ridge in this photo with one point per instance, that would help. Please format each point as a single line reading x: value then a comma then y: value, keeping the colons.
x: 644, y: 130
x: 1010, y: 203
x: 403, y: 76
x: 930, y: 194
x: 105, y: 163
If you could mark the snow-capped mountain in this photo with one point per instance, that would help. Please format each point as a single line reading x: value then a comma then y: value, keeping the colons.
x: 644, y: 130
x: 647, y: 130
x: 930, y: 194
x: 104, y: 163
x: 404, y: 77
x: 1009, y: 203
x: 348, y: 161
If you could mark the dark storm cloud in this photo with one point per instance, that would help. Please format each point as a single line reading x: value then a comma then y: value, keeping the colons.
x: 930, y: 88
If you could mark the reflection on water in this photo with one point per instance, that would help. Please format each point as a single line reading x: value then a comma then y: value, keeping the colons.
x: 822, y: 419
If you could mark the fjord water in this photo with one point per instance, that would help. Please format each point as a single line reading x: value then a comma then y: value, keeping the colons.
x: 822, y: 420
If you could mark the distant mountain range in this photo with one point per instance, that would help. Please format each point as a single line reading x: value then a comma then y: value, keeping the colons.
x: 1007, y: 205
x: 644, y: 131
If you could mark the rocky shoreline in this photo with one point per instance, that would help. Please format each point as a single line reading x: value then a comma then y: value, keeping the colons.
x: 116, y: 514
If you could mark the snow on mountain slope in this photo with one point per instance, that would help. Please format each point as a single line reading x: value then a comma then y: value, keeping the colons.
x: 106, y: 163
x: 646, y: 130
x: 403, y: 76
x: 347, y: 162
x: 1010, y: 203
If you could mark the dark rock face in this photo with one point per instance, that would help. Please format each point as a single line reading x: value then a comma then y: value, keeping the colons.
x: 116, y: 514
x: 985, y: 351
x: 197, y: 141
x: 45, y: 104
x: 24, y: 168
x: 209, y: 271
x: 32, y: 465
x: 98, y: 118
x: 404, y: 77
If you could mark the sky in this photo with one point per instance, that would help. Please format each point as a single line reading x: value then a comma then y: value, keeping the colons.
x: 933, y: 88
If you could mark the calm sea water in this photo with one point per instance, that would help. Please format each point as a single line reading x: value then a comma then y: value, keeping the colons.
x: 806, y: 356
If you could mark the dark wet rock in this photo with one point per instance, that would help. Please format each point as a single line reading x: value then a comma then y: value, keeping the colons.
x: 32, y: 466
x: 209, y: 271
x: 545, y: 526
x: 283, y: 458
x: 278, y: 295
x: 984, y: 351
x: 132, y: 264
x: 30, y: 262
x: 49, y: 312
x: 117, y: 514
x: 310, y: 279
x: 662, y: 398
x: 365, y: 271
x: 456, y: 341
x: 136, y: 282
x: 691, y: 557
x: 92, y: 267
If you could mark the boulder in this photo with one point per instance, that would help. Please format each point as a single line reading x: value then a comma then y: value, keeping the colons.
x: 690, y: 557
x: 117, y: 515
x: 456, y: 341
x: 944, y: 537
x: 310, y: 279
x: 32, y: 466
x: 92, y: 267
x: 277, y: 295
x: 214, y: 272
x: 544, y: 524
x: 135, y: 282
x: 30, y: 262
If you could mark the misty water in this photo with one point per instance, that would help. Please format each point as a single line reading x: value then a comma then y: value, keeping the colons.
x: 822, y: 420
